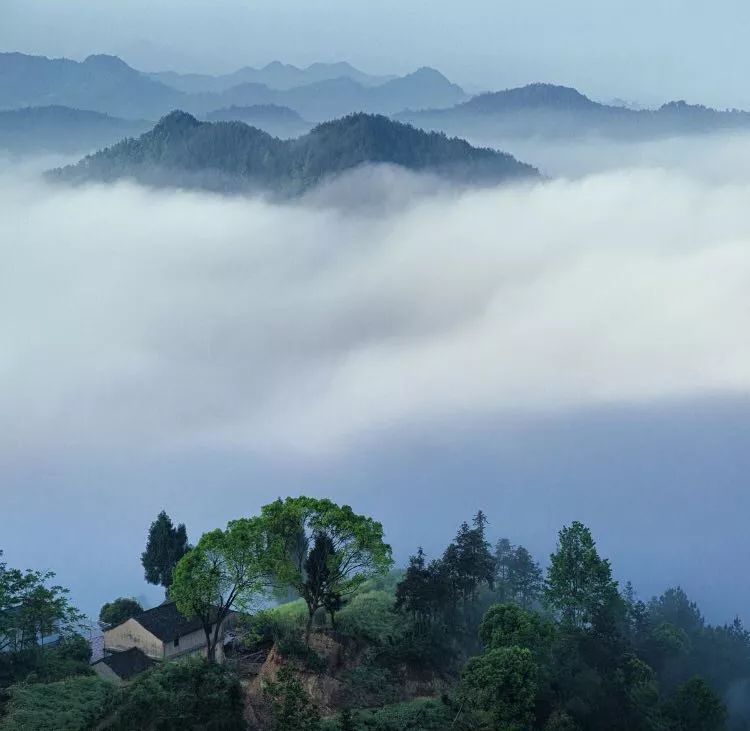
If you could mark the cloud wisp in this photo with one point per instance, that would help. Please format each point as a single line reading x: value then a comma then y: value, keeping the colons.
x: 173, y: 318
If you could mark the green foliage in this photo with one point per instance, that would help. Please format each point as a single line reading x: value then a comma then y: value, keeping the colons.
x: 226, y: 570
x: 292, y: 646
x: 118, y: 611
x: 425, y: 592
x: 675, y: 608
x: 418, y: 715
x: 502, y: 683
x: 467, y: 562
x: 560, y: 721
x: 508, y: 625
x: 75, y: 704
x: 347, y: 721
x: 165, y: 546
x: 31, y: 608
x: 579, y: 583
x: 695, y: 707
x: 324, y: 551
x: 292, y: 708
x: 370, y: 684
x: 518, y: 577
x: 370, y: 616
x: 177, y: 696
x: 68, y: 658
x: 271, y: 626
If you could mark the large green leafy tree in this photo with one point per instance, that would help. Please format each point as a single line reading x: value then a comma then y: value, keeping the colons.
x: 579, y: 582
x: 118, y: 611
x: 226, y: 571
x: 322, y: 550
x: 695, y: 707
x: 32, y: 607
x: 509, y: 625
x: 502, y: 684
x: 165, y: 546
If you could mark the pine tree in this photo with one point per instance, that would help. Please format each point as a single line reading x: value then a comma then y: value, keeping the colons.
x: 579, y: 583
x: 165, y: 546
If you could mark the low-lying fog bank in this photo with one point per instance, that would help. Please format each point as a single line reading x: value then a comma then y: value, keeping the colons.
x: 177, y: 327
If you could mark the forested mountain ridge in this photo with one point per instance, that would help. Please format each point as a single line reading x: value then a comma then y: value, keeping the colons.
x: 181, y: 150
x: 551, y: 111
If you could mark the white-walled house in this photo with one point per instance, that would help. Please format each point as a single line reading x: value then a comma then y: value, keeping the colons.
x: 161, y: 633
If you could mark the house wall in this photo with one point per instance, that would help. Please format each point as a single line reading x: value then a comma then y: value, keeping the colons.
x: 131, y: 634
x: 189, y: 644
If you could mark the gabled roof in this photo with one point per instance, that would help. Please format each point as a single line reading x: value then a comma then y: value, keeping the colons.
x: 128, y: 663
x: 166, y: 623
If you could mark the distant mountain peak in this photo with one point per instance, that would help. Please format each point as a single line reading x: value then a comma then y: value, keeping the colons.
x: 427, y: 72
x: 105, y: 60
x: 534, y: 95
x: 177, y: 120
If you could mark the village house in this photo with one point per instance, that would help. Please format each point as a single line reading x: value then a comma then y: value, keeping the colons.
x: 161, y: 633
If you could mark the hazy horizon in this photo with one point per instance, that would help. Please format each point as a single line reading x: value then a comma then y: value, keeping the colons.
x: 647, y: 52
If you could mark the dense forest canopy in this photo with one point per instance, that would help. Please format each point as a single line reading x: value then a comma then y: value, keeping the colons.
x: 509, y: 645
x: 181, y: 150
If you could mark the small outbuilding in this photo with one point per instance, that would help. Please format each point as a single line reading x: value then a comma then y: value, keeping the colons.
x: 122, y: 665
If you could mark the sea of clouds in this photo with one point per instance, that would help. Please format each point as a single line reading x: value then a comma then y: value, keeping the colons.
x: 383, y: 301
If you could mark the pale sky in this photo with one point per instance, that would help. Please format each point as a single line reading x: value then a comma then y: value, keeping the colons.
x: 647, y: 50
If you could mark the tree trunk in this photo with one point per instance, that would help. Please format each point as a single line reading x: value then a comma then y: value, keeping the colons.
x: 210, y: 646
x: 308, y: 628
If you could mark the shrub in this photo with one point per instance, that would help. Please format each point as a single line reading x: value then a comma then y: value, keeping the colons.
x: 371, y: 617
x: 292, y: 708
x: 75, y: 704
x: 191, y: 694
x: 421, y: 715
x: 368, y: 685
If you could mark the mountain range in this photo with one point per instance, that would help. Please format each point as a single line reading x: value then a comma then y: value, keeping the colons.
x: 38, y: 95
x: 275, y: 75
x: 57, y: 129
x: 108, y: 85
x: 550, y: 111
x: 278, y: 121
x: 231, y: 156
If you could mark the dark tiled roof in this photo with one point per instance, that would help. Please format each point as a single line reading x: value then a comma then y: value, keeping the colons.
x: 166, y: 623
x: 128, y: 663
